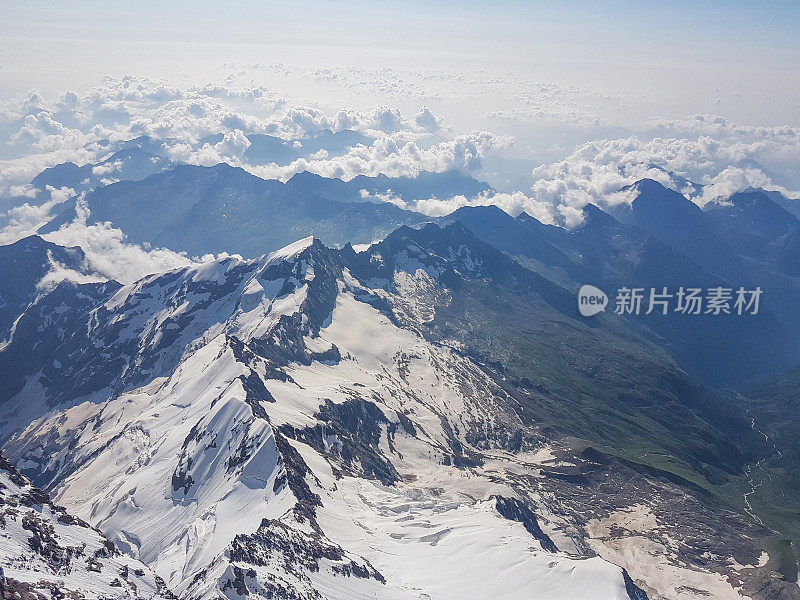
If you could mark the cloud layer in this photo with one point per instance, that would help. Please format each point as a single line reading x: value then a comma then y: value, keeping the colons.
x: 705, y: 157
x: 109, y: 254
x: 596, y: 171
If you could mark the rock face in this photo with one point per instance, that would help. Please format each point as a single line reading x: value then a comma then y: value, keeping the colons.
x: 45, y: 552
x: 322, y: 423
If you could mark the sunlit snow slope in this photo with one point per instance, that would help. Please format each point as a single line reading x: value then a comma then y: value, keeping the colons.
x: 45, y: 552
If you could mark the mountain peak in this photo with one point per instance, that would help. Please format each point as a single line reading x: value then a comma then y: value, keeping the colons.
x: 653, y: 196
x: 488, y: 210
x: 293, y: 250
x: 758, y: 227
x: 226, y: 168
x: 67, y: 172
x: 649, y: 185
x: 35, y: 243
x: 594, y: 216
x: 526, y: 217
x: 751, y: 196
x: 198, y: 171
x: 758, y: 206
x: 305, y: 177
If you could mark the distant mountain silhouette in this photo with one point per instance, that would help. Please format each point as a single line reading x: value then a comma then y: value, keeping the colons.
x: 203, y: 210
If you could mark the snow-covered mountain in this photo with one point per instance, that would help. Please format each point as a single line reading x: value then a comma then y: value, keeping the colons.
x: 312, y: 424
x: 45, y: 552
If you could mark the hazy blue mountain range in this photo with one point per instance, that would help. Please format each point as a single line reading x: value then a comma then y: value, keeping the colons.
x: 723, y: 350
x: 126, y: 164
x: 759, y: 229
x: 730, y: 238
x: 265, y: 149
x: 225, y: 209
x: 423, y: 186
x: 661, y: 240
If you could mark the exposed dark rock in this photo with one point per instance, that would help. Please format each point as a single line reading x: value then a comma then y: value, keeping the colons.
x: 296, y: 473
x: 256, y: 393
x: 634, y: 591
x: 513, y: 509
x: 298, y: 553
x: 356, y: 425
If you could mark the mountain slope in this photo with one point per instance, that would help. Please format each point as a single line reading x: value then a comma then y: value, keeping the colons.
x: 681, y: 224
x: 131, y: 164
x: 759, y: 228
x: 35, y: 265
x: 513, y: 320
x: 719, y: 349
x: 315, y: 424
x: 47, y: 553
x: 747, y: 240
x: 224, y: 450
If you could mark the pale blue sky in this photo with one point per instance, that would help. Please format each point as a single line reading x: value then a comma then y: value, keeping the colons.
x: 732, y: 58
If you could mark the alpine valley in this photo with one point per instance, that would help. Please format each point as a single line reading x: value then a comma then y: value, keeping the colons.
x: 366, y: 402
